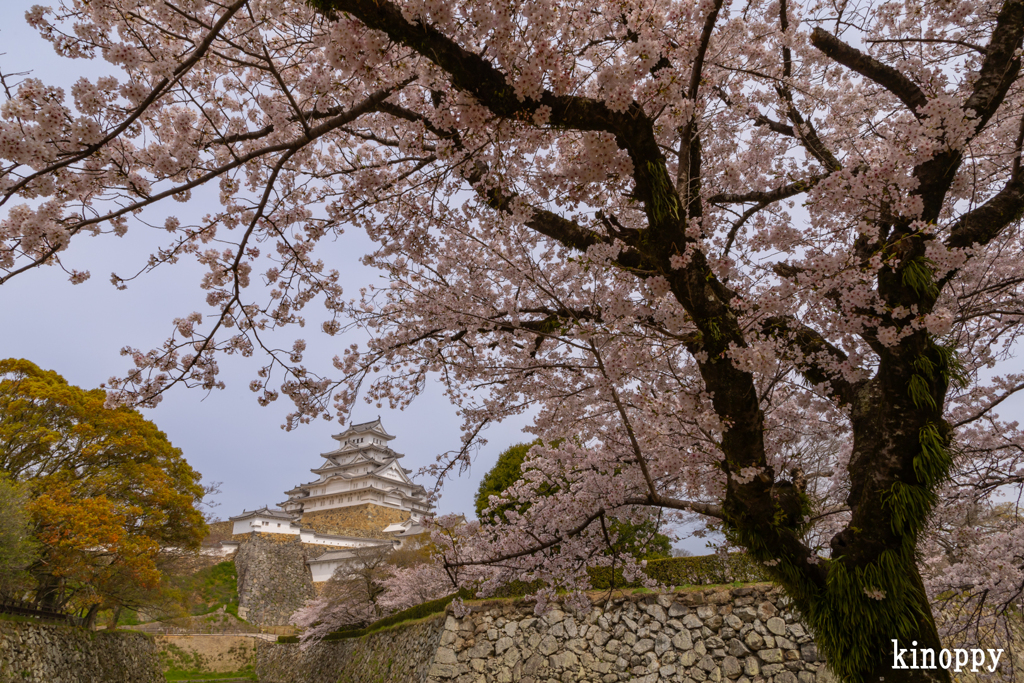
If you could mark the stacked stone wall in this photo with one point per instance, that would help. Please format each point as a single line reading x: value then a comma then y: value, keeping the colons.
x: 44, y: 653
x: 742, y: 635
x: 273, y: 579
x: 218, y: 531
x: 739, y: 635
x: 402, y: 654
x: 343, y: 521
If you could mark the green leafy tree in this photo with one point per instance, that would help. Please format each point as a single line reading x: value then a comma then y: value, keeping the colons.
x: 18, y: 548
x: 107, y: 493
x: 641, y: 540
x: 507, y: 471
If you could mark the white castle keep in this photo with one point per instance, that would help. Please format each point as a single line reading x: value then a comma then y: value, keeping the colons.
x: 362, y: 497
x: 361, y: 470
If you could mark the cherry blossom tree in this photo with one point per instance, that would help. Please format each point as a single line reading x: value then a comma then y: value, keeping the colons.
x: 349, y: 598
x: 413, y: 585
x: 758, y: 263
x: 373, y: 583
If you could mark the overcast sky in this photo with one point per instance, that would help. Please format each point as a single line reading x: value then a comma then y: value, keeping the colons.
x: 79, y: 330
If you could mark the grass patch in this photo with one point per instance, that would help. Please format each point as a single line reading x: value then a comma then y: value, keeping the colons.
x: 183, y: 664
x: 211, y: 588
x: 128, y: 617
x: 180, y: 665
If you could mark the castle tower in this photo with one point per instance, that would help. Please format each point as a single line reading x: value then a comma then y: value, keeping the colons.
x: 360, y: 485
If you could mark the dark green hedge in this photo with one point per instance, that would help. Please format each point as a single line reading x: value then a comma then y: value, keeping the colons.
x: 685, y: 571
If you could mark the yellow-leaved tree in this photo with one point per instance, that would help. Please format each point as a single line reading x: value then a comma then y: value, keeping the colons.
x: 108, y: 495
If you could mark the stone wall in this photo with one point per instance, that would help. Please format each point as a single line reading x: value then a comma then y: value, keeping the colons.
x: 273, y: 579
x: 742, y: 635
x: 739, y: 635
x: 43, y: 653
x: 402, y: 654
x: 217, y: 532
x: 347, y: 520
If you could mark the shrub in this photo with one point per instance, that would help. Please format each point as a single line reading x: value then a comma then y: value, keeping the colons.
x: 685, y: 571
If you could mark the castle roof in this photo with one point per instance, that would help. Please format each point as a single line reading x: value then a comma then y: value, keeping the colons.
x: 333, y: 470
x: 405, y: 528
x: 346, y: 553
x: 373, y: 455
x: 363, y: 427
x: 362, y: 449
x: 264, y: 511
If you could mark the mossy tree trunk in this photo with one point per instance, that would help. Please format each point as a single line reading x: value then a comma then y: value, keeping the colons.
x: 869, y: 591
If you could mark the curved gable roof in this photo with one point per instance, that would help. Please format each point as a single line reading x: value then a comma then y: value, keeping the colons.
x: 372, y: 427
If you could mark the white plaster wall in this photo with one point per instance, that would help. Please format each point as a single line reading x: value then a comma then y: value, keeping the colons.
x: 321, y: 571
x: 263, y: 524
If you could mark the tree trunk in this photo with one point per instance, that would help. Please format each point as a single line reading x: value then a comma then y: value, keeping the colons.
x: 924, y: 637
x: 90, y: 617
x: 47, y: 591
x: 870, y: 592
x: 114, y: 618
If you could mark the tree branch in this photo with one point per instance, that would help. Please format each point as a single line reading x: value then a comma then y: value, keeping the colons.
x: 812, y: 345
x: 544, y: 545
x: 769, y: 196
x: 1001, y: 65
x: 1007, y: 394
x: 804, y: 130
x: 869, y: 67
x: 632, y: 128
x: 982, y: 224
x: 153, y: 96
x: 705, y: 509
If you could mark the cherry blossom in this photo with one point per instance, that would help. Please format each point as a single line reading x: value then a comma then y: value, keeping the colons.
x: 755, y: 266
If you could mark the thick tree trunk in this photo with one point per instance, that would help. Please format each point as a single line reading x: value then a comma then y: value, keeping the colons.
x: 869, y: 592
x: 888, y: 669
x: 48, y: 589
x: 875, y: 591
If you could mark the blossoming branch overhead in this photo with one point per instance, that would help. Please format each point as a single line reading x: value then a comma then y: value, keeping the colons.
x: 757, y: 266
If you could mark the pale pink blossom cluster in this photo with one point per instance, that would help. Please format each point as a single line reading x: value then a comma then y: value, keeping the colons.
x: 567, y: 218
